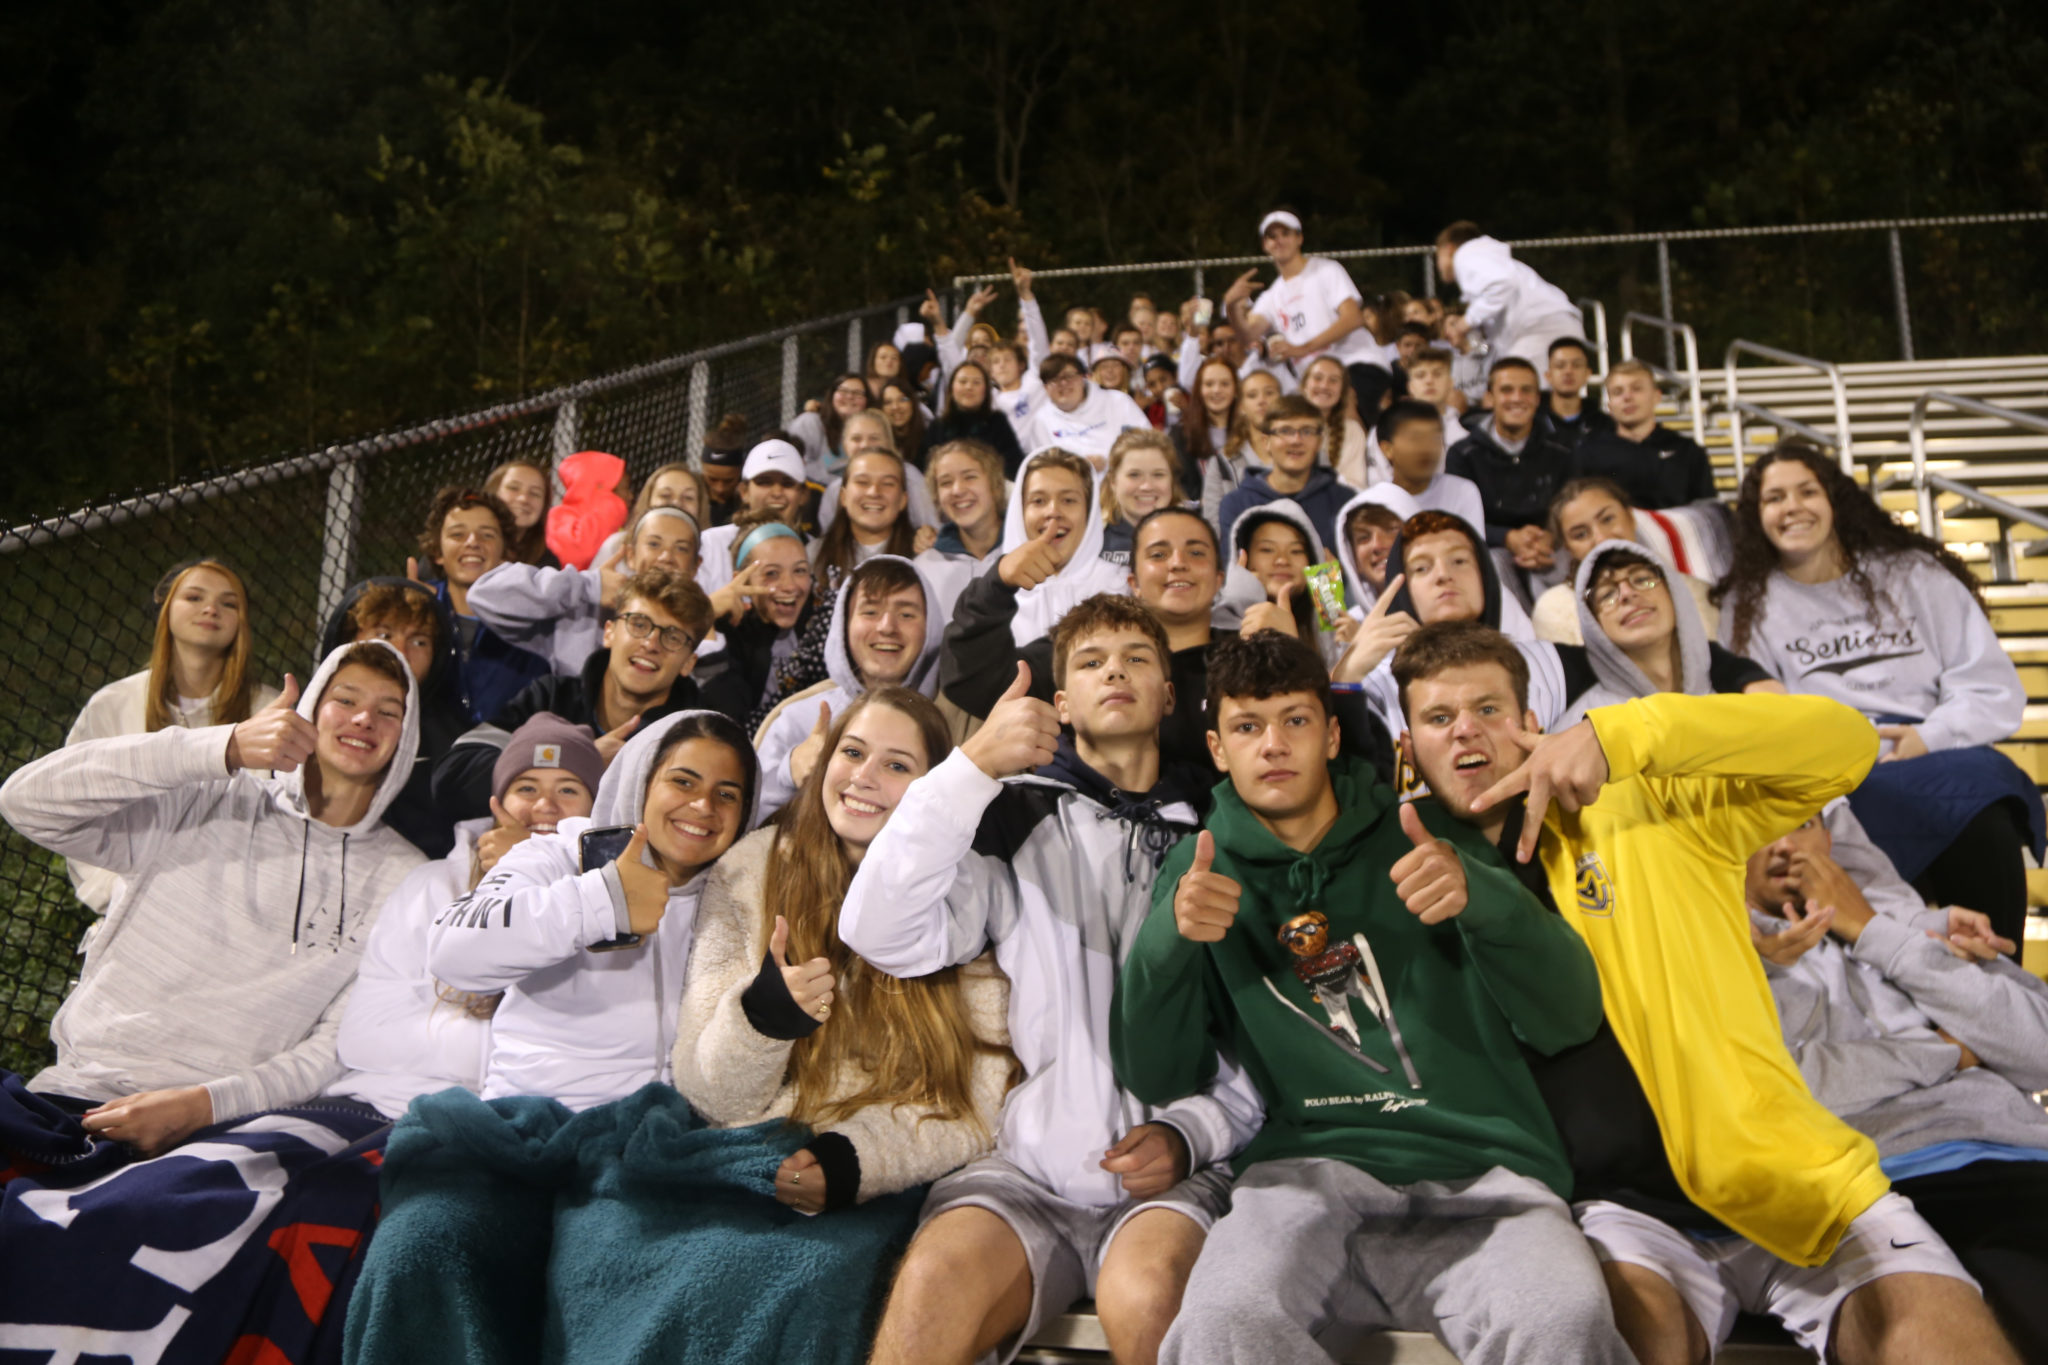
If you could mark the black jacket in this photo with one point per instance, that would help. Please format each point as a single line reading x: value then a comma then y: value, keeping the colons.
x: 1515, y: 489
x: 1664, y: 469
x: 462, y: 779
x: 1570, y: 434
x: 740, y: 683
x: 988, y: 426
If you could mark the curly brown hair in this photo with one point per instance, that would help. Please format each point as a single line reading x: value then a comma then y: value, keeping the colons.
x: 1864, y: 532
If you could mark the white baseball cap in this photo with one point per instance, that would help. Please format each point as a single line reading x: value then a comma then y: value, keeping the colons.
x: 774, y: 457
x: 908, y: 334
x: 1281, y: 216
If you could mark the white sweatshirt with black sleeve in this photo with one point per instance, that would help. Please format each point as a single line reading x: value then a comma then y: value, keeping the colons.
x: 556, y: 613
x: 1505, y: 298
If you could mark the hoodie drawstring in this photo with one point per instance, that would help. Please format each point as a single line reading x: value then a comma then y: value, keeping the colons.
x: 1306, y: 880
x: 299, y: 908
x: 1150, y: 834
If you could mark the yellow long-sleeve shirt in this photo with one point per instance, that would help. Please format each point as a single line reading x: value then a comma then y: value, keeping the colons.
x: 1652, y: 875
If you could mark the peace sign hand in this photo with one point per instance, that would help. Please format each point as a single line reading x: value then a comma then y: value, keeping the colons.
x: 1570, y: 768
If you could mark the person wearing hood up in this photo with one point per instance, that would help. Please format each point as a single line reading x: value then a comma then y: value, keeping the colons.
x: 560, y: 612
x: 1078, y: 416
x: 885, y: 632
x: 1368, y: 525
x: 1044, y: 847
x: 1642, y: 638
x: 1294, y: 428
x: 464, y: 539
x: 415, y: 622
x: 639, y: 674
x: 1379, y: 984
x: 1514, y: 310
x: 256, y: 859
x: 592, y: 506
x: 967, y: 478
x: 1272, y: 547
x: 1584, y: 513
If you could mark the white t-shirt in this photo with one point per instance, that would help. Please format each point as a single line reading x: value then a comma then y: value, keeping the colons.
x: 1305, y: 307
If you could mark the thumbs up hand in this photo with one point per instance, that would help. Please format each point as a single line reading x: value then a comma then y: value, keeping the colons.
x: 1032, y: 562
x: 810, y: 985
x: 805, y: 756
x: 1205, y: 903
x: 1430, y: 877
x: 1275, y: 615
x: 277, y: 737
x: 1021, y: 732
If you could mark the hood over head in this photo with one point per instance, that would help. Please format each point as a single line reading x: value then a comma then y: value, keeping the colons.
x: 622, y: 796
x: 289, y: 789
x: 1501, y: 612
x: 924, y: 674
x: 1620, y: 678
x: 1395, y: 499
x: 589, y: 472
x: 1241, y: 587
x: 1090, y: 548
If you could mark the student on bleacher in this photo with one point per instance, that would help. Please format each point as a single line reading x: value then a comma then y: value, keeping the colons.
x: 1656, y: 799
x: 403, y: 1034
x: 872, y: 518
x: 1378, y: 983
x: 638, y: 674
x: 1311, y: 308
x: 1411, y: 444
x: 725, y: 454
x: 1079, y: 416
x: 1585, y: 512
x: 906, y: 422
x: 1659, y: 467
x: 775, y: 644
x: 527, y: 492
x: 560, y: 613
x: 215, y: 985
x: 1271, y: 548
x: 1215, y: 449
x: 1088, y: 1189
x: 406, y: 615
x: 772, y: 487
x: 1512, y: 308
x: 885, y: 632
x: 1930, y: 1052
x: 465, y: 538
x: 898, y: 1081
x: 1568, y: 416
x: 971, y: 415
x: 885, y: 361
x: 1429, y: 381
x: 672, y: 485
x: 1325, y: 383
x: 1834, y: 597
x: 967, y: 480
x: 818, y: 434
x: 867, y: 433
x: 1519, y: 470
x: 1294, y: 433
x: 1112, y: 374
x: 198, y: 675
x: 1370, y: 522
x: 1015, y: 390
x: 1143, y: 476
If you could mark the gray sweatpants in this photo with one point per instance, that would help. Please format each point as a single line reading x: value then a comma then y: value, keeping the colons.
x: 1493, y: 1266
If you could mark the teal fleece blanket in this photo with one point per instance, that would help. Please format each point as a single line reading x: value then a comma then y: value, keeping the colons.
x: 516, y: 1231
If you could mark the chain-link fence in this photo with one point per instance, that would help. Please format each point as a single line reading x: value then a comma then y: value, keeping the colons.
x: 76, y: 608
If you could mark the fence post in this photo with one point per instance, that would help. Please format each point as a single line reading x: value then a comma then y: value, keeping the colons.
x: 788, y: 380
x: 1899, y: 298
x: 1200, y: 291
x: 1664, y: 300
x: 338, y: 540
x: 853, y: 346
x: 1428, y: 274
x: 902, y: 314
x: 563, y: 444
x: 700, y: 407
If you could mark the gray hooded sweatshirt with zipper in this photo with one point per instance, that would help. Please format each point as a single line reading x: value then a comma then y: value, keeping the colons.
x: 228, y: 962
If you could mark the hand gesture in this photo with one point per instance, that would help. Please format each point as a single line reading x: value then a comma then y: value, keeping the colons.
x: 730, y: 602
x: 646, y: 887
x: 924, y: 539
x: 1380, y: 634
x: 1430, y: 877
x: 810, y: 984
x: 500, y: 839
x: 929, y: 310
x: 277, y: 737
x: 800, y: 1182
x: 980, y: 299
x: 154, y: 1121
x: 1242, y: 289
x: 1906, y: 742
x: 1021, y: 732
x: 1970, y: 937
x: 412, y: 568
x: 611, y: 578
x: 1803, y: 930
x: 1277, y: 616
x: 1531, y: 547
x: 611, y: 741
x: 805, y: 756
x: 1570, y: 768
x: 1151, y: 1159
x: 1030, y: 563
x: 1821, y: 878
x: 1020, y: 276
x: 1205, y: 902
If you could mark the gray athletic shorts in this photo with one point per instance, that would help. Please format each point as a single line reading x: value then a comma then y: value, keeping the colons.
x: 1064, y: 1242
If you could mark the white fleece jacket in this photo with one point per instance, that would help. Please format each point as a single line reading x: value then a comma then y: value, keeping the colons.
x: 1505, y: 298
x: 229, y: 959
x: 733, y: 1074
x: 1092, y: 427
x: 556, y: 613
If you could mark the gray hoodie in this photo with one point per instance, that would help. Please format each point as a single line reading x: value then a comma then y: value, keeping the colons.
x: 792, y: 723
x: 229, y: 960
x: 1620, y: 679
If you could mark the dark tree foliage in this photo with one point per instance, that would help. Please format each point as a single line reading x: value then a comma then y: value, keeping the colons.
x: 235, y: 228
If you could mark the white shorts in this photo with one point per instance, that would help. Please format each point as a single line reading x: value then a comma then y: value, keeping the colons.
x: 1721, y: 1276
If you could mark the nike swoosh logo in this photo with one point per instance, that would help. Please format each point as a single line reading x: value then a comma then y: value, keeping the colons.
x: 1845, y: 665
x: 1897, y: 1245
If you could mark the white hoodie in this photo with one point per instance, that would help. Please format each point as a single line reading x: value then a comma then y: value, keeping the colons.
x: 229, y: 959
x: 792, y: 724
x: 580, y: 1027
x: 1505, y: 298
x: 556, y: 613
x: 1091, y: 428
x: 1087, y: 573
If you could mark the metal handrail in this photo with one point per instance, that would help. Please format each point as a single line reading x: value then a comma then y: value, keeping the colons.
x: 1925, y: 484
x: 1684, y: 332
x: 1599, y: 311
x: 1841, y: 440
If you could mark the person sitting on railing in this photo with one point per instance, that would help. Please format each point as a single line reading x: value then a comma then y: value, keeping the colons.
x: 525, y: 488
x: 1143, y: 476
x: 1584, y: 513
x: 1659, y: 467
x: 1519, y: 470
x: 638, y: 674
x: 1294, y: 432
x: 1567, y: 415
x: 1834, y: 597
x: 1077, y: 415
x: 198, y: 675
x: 1513, y: 310
x: 561, y: 612
x: 1311, y: 308
x: 465, y: 538
x: 967, y: 478
x: 971, y: 414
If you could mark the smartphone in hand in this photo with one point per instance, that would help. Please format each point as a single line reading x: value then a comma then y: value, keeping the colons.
x: 598, y: 847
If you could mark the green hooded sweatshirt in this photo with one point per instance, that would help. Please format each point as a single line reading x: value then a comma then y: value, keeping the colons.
x: 1434, y: 1089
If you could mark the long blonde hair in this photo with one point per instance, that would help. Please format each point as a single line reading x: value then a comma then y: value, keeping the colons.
x: 911, y: 1038
x: 231, y: 693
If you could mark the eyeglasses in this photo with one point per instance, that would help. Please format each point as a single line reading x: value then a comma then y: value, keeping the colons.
x: 1604, y: 595
x: 1306, y: 433
x: 673, y: 638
